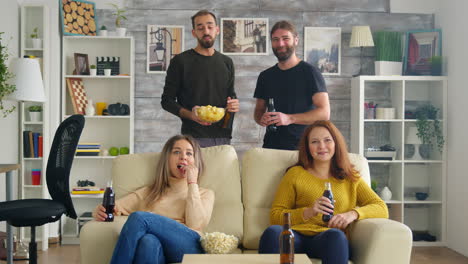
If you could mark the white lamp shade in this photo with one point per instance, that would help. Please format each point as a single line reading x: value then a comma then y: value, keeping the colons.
x: 28, y: 81
x: 412, y: 136
x: 361, y: 36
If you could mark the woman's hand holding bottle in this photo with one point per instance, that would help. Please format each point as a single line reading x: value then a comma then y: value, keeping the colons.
x: 322, y: 205
x: 99, y: 213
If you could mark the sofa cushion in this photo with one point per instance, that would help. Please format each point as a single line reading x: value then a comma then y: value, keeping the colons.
x: 262, y: 170
x: 221, y: 175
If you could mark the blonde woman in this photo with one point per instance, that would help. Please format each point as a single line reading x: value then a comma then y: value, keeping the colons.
x: 167, y: 217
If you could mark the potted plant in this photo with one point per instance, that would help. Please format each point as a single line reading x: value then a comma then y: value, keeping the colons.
x: 107, y: 69
x: 36, y: 41
x: 388, y: 53
x: 92, y: 70
x: 6, y: 88
x: 119, y: 16
x: 35, y: 113
x: 103, y: 31
x: 429, y: 126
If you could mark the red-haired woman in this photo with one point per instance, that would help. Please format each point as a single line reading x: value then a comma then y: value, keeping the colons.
x: 323, y: 157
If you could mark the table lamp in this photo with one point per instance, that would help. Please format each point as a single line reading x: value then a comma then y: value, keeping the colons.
x: 412, y: 138
x: 361, y: 36
x: 28, y: 81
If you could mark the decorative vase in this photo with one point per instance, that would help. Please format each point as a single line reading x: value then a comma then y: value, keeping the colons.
x: 121, y: 32
x: 386, y: 194
x: 388, y: 68
x: 36, y: 43
x: 90, y: 111
x: 107, y: 72
x: 92, y: 72
x: 35, y: 116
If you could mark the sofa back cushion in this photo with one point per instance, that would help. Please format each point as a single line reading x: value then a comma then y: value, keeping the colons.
x: 262, y: 170
x: 222, y: 175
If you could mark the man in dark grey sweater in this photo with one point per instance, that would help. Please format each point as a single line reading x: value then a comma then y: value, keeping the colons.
x: 198, y: 77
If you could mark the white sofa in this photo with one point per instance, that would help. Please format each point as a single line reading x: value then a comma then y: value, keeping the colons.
x: 243, y: 199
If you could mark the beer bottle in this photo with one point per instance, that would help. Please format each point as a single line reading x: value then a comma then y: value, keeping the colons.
x: 271, y: 108
x: 109, y: 202
x: 329, y: 194
x: 286, y: 241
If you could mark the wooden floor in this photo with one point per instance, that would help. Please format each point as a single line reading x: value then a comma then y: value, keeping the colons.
x: 421, y: 255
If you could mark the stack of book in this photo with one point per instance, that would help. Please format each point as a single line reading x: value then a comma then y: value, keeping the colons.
x: 88, y: 149
x: 32, y: 144
x: 87, y: 190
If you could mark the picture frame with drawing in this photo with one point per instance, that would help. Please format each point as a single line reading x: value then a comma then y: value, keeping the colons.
x: 162, y: 44
x: 81, y: 64
x: 423, y: 52
x: 322, y: 48
x: 245, y: 36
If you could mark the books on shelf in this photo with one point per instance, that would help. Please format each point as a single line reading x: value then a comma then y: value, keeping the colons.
x: 87, y: 190
x: 88, y: 149
x: 32, y: 144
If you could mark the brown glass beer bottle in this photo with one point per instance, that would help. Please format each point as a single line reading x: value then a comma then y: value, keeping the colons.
x: 286, y: 241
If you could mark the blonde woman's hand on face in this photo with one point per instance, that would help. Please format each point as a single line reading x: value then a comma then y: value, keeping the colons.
x: 341, y: 221
x: 191, y: 173
x: 322, y: 205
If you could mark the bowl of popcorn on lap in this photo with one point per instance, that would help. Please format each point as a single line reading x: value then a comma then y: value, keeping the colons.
x: 210, y: 114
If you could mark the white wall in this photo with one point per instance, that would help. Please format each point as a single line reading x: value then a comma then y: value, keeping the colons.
x: 414, y: 6
x: 451, y: 17
x: 9, y: 23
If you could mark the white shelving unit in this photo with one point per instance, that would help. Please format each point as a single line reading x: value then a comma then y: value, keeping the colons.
x: 404, y: 175
x: 35, y: 16
x: 109, y: 131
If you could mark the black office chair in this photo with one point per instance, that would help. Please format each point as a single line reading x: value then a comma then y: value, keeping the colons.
x: 36, y: 212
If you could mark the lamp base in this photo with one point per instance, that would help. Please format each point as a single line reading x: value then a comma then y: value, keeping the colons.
x: 416, y: 155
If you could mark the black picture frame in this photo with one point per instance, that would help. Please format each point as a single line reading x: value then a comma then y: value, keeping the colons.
x: 81, y: 64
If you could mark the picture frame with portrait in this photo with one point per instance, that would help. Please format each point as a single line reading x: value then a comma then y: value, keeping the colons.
x: 81, y: 64
x: 322, y: 48
x: 245, y: 36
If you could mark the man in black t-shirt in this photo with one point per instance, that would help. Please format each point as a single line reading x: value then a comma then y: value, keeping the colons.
x: 298, y: 89
x: 198, y: 77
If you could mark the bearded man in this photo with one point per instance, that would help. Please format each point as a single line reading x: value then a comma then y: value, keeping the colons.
x: 297, y: 88
x: 198, y: 77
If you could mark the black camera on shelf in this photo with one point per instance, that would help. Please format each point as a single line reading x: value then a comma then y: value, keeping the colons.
x: 84, y: 183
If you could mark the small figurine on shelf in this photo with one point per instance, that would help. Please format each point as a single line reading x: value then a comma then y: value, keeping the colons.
x: 90, y: 110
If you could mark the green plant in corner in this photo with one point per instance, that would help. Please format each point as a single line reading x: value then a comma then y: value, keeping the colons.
x: 5, y: 87
x: 429, y: 127
x: 387, y: 46
x: 35, y: 108
x: 35, y: 34
x: 119, y: 14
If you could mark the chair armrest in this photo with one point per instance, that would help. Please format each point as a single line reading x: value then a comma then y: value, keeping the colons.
x: 380, y: 240
x: 98, y: 239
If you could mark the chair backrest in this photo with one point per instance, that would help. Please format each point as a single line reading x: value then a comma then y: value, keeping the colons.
x: 60, y: 161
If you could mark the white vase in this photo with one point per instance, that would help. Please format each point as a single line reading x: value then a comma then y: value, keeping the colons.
x: 92, y: 72
x: 121, y: 32
x: 107, y: 72
x: 35, y: 116
x: 90, y: 110
x: 102, y: 33
x: 386, y: 194
x: 388, y: 68
x: 36, y: 43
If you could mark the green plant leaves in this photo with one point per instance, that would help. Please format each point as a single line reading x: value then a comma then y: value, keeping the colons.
x: 5, y: 87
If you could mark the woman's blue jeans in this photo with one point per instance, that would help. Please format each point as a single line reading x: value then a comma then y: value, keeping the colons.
x: 331, y: 246
x: 151, y: 238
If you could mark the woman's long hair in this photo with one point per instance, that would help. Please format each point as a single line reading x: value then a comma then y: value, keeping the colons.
x: 163, y: 172
x: 341, y: 167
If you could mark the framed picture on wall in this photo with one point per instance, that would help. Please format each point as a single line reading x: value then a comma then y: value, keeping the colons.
x: 322, y: 48
x: 163, y: 43
x: 423, y: 51
x: 77, y: 17
x: 244, y: 36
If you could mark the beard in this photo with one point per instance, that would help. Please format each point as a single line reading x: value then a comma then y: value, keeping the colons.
x: 283, y: 55
x: 206, y: 43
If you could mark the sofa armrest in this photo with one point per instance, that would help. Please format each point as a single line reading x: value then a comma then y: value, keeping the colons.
x: 380, y: 241
x: 98, y: 239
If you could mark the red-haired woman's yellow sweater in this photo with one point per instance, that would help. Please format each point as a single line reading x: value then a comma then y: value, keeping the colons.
x: 299, y: 190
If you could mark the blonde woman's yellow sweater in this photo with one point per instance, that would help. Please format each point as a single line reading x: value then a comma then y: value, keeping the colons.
x: 299, y: 189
